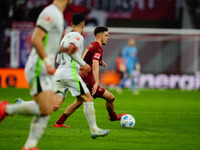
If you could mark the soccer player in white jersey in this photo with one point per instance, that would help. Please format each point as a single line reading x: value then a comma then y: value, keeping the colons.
x: 67, y: 75
x: 39, y: 70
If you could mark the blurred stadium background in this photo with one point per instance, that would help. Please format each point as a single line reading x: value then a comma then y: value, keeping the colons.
x: 166, y: 34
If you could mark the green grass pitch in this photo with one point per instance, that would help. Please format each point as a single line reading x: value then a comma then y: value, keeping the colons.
x: 165, y: 120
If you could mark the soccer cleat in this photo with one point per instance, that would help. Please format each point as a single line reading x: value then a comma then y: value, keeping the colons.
x: 35, y: 148
x: 99, y: 133
x: 2, y: 110
x: 118, y: 117
x: 56, y: 125
x: 18, y: 101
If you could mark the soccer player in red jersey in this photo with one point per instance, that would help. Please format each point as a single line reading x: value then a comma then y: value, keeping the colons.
x: 93, y: 56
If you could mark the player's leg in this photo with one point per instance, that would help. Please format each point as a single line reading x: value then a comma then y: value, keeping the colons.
x: 58, y: 100
x: 61, y: 93
x: 31, y: 108
x: 110, y: 104
x: 89, y: 112
x: 44, y: 97
x: 76, y: 88
x: 68, y: 111
x: 80, y: 90
x: 109, y: 97
x: 41, y: 109
x: 103, y: 93
x: 37, y: 128
x: 131, y: 76
x: 6, y: 109
x: 45, y: 101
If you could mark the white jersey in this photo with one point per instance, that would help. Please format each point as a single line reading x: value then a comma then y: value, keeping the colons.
x: 52, y: 21
x: 69, y: 68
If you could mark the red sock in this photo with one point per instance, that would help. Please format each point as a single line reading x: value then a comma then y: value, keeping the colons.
x: 113, y: 115
x: 62, y: 119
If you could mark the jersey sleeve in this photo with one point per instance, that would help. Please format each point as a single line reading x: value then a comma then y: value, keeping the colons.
x: 46, y: 21
x: 96, y: 56
x: 77, y: 40
x: 97, y: 52
x: 67, y: 40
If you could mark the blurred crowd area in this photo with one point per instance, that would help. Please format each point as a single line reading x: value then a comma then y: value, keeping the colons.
x: 22, y: 14
x: 134, y: 13
x: 21, y: 10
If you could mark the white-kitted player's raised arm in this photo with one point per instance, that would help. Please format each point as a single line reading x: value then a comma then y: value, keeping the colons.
x: 70, y: 49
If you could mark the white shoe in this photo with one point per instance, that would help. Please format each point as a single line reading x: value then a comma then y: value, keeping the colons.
x: 99, y: 133
x: 18, y: 101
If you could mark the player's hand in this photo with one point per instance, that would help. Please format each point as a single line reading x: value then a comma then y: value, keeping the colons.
x: 83, y: 73
x: 102, y: 63
x: 86, y: 68
x: 94, y: 88
x: 50, y: 69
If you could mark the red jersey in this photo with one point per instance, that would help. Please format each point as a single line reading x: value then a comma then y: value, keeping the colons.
x: 93, y: 52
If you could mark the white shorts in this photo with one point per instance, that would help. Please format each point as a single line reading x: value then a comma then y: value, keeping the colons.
x: 41, y: 83
x: 76, y: 88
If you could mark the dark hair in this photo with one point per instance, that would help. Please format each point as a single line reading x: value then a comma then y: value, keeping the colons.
x: 99, y: 30
x: 77, y: 18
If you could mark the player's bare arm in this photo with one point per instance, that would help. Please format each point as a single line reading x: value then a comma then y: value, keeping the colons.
x: 71, y: 49
x: 95, y: 69
x: 37, y: 41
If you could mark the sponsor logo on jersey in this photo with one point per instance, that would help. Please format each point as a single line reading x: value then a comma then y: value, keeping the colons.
x: 47, y: 18
x: 77, y: 38
x: 97, y: 55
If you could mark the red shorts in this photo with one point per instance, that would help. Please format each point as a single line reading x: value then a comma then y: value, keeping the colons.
x: 90, y: 83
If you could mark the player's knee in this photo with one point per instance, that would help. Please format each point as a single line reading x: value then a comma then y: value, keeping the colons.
x: 56, y: 107
x: 58, y: 103
x: 111, y: 99
x: 89, y: 98
x: 46, y: 112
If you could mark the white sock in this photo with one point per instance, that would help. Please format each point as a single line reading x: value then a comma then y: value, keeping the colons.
x: 90, y: 115
x: 25, y: 108
x: 38, y: 126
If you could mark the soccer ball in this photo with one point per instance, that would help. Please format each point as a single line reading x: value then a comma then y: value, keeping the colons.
x: 127, y: 121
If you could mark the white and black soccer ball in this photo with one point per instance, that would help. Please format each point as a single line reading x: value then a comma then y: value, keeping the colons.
x: 127, y: 121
